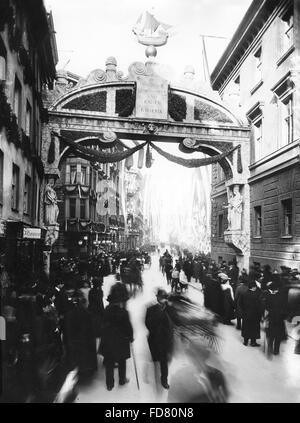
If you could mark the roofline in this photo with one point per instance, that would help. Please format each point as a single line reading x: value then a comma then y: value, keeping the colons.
x: 239, y: 35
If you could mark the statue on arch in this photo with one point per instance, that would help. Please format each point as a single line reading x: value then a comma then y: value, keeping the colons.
x: 51, y: 206
x: 235, y: 208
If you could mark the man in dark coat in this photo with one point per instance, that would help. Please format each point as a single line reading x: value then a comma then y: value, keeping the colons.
x: 251, y: 307
x: 233, y: 274
x: 117, y: 334
x: 275, y: 305
x: 96, y: 307
x: 168, y: 270
x: 197, y: 270
x: 79, y: 337
x: 241, y: 289
x: 188, y: 269
x: 160, y: 336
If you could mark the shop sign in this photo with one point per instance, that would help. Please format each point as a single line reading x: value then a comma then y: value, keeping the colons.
x: 32, y: 233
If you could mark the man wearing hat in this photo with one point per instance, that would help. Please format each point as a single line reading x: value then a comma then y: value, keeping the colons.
x: 160, y: 336
x: 251, y: 306
x: 117, y: 334
x: 275, y: 306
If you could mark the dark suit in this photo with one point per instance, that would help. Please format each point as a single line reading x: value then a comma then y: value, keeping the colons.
x: 160, y: 337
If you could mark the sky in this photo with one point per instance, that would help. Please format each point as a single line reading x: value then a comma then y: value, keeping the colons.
x: 89, y: 31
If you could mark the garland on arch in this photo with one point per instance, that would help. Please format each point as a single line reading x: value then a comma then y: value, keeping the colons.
x: 103, y: 157
x: 192, y: 163
x: 99, y: 156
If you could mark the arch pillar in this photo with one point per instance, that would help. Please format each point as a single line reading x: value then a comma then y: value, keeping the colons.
x: 237, y: 235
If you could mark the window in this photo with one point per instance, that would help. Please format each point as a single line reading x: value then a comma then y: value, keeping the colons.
x: 283, y: 91
x: 220, y: 173
x: 258, y: 139
x: 15, y: 187
x: 255, y: 116
x: 38, y: 136
x: 257, y: 222
x: 83, y: 175
x: 221, y: 225
x: 94, y: 179
x: 288, y: 30
x: 1, y: 175
x: 288, y: 122
x: 72, y: 208
x: 73, y: 174
x: 28, y: 122
x: 258, y: 65
x: 27, y: 194
x: 38, y: 202
x: 18, y: 101
x: 82, y: 208
x: 287, y: 215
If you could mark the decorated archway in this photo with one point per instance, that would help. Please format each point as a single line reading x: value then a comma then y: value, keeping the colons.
x: 106, y: 108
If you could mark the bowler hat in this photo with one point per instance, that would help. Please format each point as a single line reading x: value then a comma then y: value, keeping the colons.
x: 161, y: 293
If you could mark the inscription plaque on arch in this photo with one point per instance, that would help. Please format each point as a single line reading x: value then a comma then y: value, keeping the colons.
x: 151, y: 97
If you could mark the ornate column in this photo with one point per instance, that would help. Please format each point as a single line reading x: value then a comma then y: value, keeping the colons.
x: 50, y: 157
x: 237, y: 234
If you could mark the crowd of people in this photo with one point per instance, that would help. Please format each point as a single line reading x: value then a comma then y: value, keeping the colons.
x: 56, y: 328
x: 260, y: 301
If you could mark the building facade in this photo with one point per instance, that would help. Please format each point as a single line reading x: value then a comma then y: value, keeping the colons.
x: 91, y: 216
x: 28, y: 57
x: 134, y: 191
x: 259, y: 76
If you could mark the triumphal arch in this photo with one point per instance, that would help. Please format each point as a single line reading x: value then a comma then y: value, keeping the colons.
x: 148, y: 108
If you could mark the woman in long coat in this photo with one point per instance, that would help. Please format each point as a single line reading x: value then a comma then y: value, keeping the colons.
x: 275, y: 304
x: 213, y: 294
x: 117, y: 334
x: 252, y: 308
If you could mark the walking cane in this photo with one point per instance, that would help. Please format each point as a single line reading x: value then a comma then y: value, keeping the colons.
x: 265, y: 334
x: 135, y: 368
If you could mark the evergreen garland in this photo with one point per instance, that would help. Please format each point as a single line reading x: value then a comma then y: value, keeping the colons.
x: 51, y: 151
x: 204, y: 111
x: 26, y: 145
x: 6, y: 14
x: 95, y: 102
x: 25, y: 62
x: 125, y: 101
x: 177, y: 106
x: 148, y: 157
x: 8, y: 119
